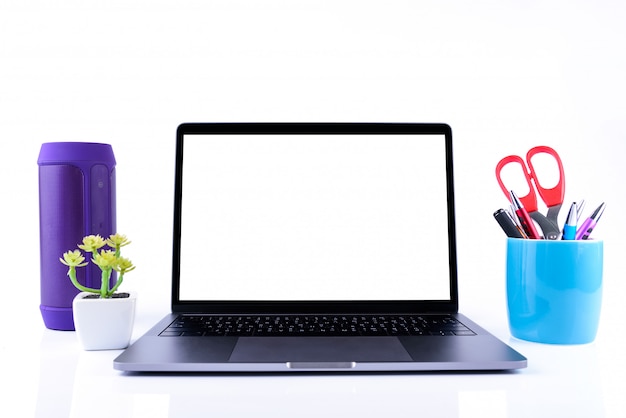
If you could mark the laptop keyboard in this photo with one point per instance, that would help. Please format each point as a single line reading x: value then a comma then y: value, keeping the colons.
x: 313, y: 325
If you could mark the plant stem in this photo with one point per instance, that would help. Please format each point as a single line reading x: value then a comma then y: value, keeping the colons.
x: 119, y: 282
x: 72, y: 274
x: 104, y: 287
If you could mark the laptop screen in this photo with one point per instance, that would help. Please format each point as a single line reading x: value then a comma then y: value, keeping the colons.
x: 313, y: 217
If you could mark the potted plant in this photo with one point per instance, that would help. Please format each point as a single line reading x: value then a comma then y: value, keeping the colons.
x: 103, y: 317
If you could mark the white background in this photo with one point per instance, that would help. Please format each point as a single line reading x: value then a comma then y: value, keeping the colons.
x: 506, y: 75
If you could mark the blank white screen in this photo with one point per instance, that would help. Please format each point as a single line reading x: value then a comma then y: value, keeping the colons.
x: 314, y: 217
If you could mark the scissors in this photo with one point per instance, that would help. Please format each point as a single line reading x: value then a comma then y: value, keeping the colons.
x: 553, y: 198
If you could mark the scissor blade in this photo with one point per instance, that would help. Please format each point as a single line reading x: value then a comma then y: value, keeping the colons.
x: 553, y: 214
x: 548, y: 227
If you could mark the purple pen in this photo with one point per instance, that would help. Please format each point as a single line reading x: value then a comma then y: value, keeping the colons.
x: 585, y: 229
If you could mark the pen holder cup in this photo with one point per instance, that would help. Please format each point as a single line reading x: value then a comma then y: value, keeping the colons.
x: 554, y: 289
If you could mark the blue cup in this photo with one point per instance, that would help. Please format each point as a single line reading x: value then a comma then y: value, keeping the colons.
x: 554, y: 289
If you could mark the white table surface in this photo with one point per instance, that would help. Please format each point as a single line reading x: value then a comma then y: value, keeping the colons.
x: 51, y: 376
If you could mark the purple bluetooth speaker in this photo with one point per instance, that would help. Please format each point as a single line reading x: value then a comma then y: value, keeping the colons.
x: 76, y: 198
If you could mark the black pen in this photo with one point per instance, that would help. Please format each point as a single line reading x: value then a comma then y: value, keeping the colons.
x: 506, y: 223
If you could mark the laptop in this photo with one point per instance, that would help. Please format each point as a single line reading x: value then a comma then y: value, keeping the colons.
x: 315, y: 247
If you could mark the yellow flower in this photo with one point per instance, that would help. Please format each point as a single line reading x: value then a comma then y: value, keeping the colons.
x: 92, y: 243
x: 124, y: 265
x: 117, y: 241
x: 105, y: 260
x: 73, y: 259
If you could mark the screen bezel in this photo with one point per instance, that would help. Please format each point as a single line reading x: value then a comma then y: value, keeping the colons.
x: 339, y: 306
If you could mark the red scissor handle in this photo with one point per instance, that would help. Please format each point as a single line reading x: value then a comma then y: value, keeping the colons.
x: 530, y: 200
x: 555, y: 195
x: 551, y: 197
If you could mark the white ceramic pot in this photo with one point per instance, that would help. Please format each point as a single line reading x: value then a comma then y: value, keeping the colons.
x: 104, y: 324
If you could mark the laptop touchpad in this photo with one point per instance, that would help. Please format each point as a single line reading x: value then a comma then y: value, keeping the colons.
x: 318, y: 349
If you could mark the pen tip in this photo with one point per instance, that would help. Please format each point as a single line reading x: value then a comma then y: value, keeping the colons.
x: 515, y: 200
x: 572, y: 215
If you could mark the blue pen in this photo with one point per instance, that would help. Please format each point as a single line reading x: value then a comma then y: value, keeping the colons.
x: 569, y: 230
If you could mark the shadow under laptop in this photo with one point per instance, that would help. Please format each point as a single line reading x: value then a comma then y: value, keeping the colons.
x: 315, y: 394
